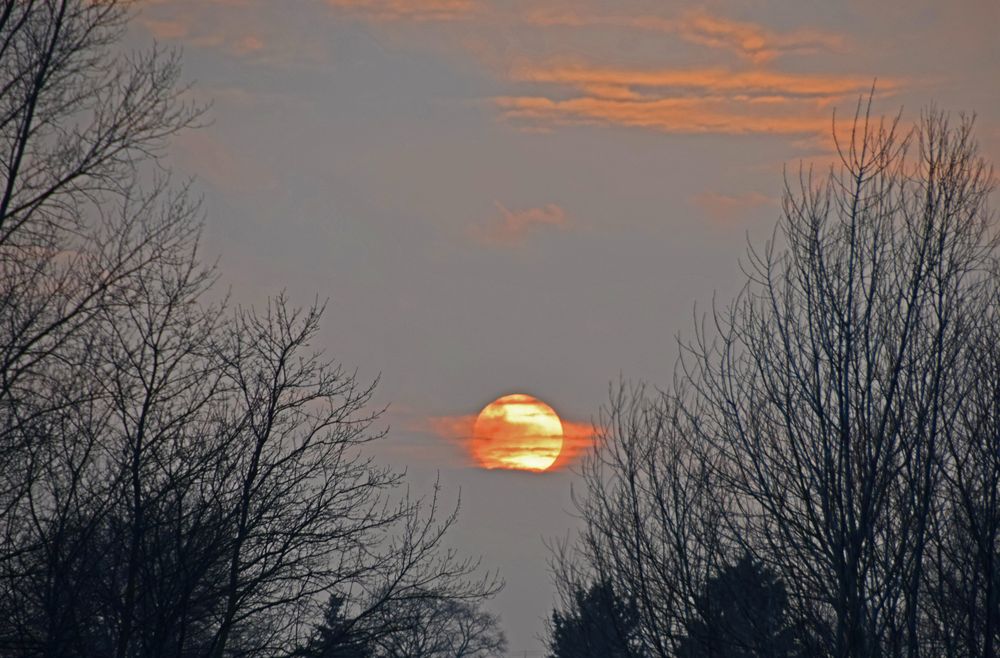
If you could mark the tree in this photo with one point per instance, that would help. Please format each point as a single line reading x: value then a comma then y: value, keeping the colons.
x: 742, y: 614
x: 600, y: 623
x: 836, y: 420
x: 177, y: 478
x: 835, y: 375
x: 335, y: 637
x: 431, y: 626
x: 653, y: 518
x: 423, y: 625
x: 76, y: 123
x: 962, y: 592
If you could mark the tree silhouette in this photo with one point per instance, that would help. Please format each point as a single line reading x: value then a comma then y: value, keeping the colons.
x: 335, y: 637
x: 430, y: 626
x: 743, y: 615
x: 599, y: 623
x: 837, y: 420
x: 177, y: 478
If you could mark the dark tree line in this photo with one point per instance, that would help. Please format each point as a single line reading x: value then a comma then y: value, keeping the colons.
x: 177, y: 478
x: 831, y: 434
x: 597, y: 622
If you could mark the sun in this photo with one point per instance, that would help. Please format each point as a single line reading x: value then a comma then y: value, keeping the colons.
x: 517, y: 432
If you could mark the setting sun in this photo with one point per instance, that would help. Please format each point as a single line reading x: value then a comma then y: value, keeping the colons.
x: 517, y: 432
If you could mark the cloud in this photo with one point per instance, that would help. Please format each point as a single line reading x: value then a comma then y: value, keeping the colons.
x: 754, y: 85
x: 167, y: 30
x: 726, y: 207
x: 456, y: 428
x: 511, y: 228
x: 753, y: 41
x: 204, y: 154
x: 240, y: 28
x: 578, y: 437
x: 681, y: 100
x: 668, y: 115
x: 229, y: 40
x: 748, y: 40
x: 414, y: 10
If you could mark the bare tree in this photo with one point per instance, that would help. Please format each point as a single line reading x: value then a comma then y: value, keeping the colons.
x: 831, y: 379
x: 652, y: 518
x: 835, y: 422
x: 435, y: 627
x: 962, y: 595
x: 309, y: 511
x: 176, y: 479
x: 75, y: 122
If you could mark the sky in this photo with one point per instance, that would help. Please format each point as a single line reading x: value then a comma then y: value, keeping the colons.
x: 538, y: 197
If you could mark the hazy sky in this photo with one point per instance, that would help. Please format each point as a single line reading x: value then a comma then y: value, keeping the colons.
x: 532, y: 197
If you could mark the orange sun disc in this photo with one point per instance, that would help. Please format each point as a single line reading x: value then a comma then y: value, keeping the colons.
x: 517, y: 432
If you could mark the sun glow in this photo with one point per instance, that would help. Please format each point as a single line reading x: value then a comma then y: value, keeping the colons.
x: 517, y: 432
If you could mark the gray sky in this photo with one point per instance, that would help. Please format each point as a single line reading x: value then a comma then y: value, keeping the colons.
x: 532, y: 197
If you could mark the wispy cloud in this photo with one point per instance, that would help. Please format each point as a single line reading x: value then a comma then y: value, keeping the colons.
x: 240, y: 28
x: 189, y: 31
x: 750, y: 41
x: 577, y: 437
x: 670, y: 115
x: 413, y: 10
x: 167, y: 29
x: 510, y: 228
x: 680, y: 100
x: 727, y: 207
x: 753, y: 85
x: 212, y: 160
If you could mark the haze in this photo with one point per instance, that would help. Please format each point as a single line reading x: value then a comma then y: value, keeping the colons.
x: 503, y: 197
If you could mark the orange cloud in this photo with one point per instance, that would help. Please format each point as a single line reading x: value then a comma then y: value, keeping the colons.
x: 167, y: 30
x: 415, y: 10
x: 665, y: 115
x: 246, y: 44
x: 681, y: 100
x: 752, y: 41
x: 725, y: 207
x: 577, y: 437
x: 748, y: 40
x: 199, y: 35
x: 455, y: 428
x: 241, y: 28
x: 763, y: 86
x: 511, y: 228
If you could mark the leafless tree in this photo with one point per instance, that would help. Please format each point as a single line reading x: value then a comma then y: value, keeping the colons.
x: 434, y: 627
x: 176, y: 478
x: 652, y: 517
x: 962, y: 595
x: 75, y: 122
x: 829, y: 383
x: 310, y: 512
x: 835, y: 422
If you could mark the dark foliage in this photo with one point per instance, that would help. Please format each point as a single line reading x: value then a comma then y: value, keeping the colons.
x: 335, y: 636
x: 743, y: 614
x: 599, y: 623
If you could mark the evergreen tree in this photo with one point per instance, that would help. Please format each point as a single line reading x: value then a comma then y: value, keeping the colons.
x: 600, y: 624
x: 743, y: 615
x: 335, y: 637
